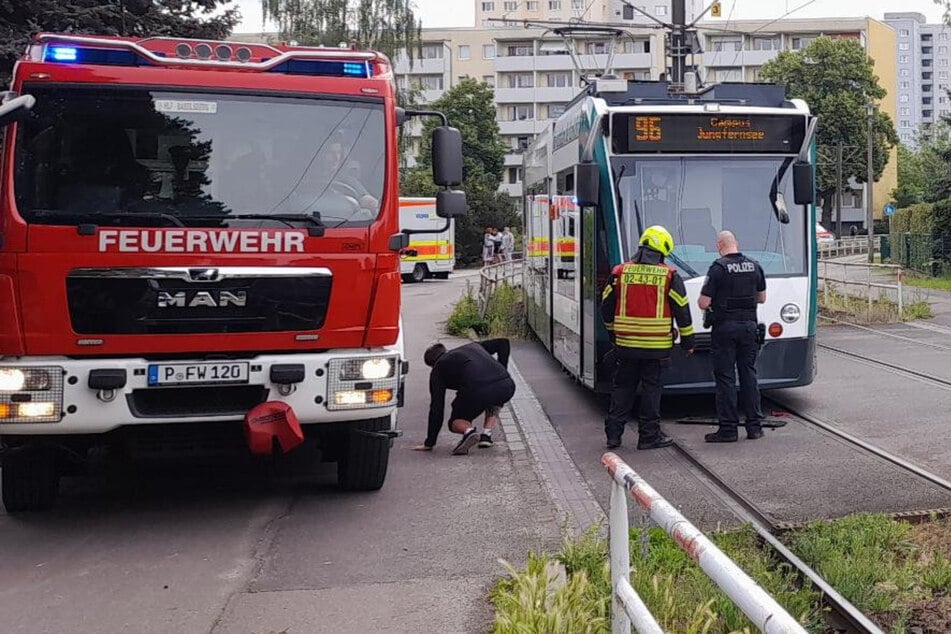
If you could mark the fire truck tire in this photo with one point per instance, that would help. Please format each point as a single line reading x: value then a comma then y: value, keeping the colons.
x: 420, y: 273
x: 30, y: 479
x: 363, y: 463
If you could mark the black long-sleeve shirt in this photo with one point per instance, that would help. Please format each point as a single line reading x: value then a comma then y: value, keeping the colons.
x: 462, y: 368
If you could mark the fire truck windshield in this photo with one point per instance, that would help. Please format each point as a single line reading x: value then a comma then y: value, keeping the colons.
x: 136, y: 154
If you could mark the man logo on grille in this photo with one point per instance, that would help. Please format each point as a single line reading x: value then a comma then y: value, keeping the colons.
x: 202, y: 299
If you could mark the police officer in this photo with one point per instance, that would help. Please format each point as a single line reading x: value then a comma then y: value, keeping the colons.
x: 639, y: 304
x: 735, y: 285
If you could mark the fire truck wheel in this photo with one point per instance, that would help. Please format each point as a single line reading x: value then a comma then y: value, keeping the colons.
x: 30, y: 479
x: 419, y: 272
x: 363, y: 462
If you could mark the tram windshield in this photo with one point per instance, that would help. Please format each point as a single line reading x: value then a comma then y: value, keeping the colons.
x: 695, y: 198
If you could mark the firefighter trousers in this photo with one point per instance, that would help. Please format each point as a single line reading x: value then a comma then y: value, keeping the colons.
x: 629, y: 373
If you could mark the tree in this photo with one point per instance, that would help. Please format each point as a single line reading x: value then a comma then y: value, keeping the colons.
x: 470, y: 107
x: 835, y: 78
x: 911, y: 183
x: 20, y: 19
x: 388, y: 26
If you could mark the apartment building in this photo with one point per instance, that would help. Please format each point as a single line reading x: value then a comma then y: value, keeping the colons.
x: 923, y: 55
x: 738, y: 55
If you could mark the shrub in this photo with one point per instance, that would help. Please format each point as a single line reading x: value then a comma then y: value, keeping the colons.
x: 465, y: 317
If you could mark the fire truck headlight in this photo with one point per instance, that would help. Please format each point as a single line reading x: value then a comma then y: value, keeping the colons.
x: 374, y: 369
x: 12, y: 379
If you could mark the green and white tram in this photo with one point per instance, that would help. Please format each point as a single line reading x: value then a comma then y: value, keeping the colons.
x: 627, y: 155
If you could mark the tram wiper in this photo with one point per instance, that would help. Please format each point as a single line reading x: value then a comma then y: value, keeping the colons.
x: 689, y: 270
x: 776, y: 197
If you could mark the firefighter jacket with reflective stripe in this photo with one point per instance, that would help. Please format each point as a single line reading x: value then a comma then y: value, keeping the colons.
x: 640, y: 303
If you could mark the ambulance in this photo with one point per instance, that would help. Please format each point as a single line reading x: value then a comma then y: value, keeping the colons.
x: 430, y: 254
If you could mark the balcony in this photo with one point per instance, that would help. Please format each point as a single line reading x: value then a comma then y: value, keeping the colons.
x: 526, y: 127
x: 512, y: 190
x: 737, y: 58
x: 537, y: 94
x: 436, y: 66
x: 429, y: 96
x: 520, y: 63
x: 513, y: 160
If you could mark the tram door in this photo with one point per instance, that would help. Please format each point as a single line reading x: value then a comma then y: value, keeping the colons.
x: 537, y: 272
x: 566, y: 283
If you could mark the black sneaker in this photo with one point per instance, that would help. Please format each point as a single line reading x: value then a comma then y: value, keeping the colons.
x: 614, y: 443
x: 469, y: 439
x: 485, y: 441
x: 721, y: 436
x: 657, y: 442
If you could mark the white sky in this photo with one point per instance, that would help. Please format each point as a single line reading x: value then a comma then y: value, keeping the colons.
x: 448, y: 13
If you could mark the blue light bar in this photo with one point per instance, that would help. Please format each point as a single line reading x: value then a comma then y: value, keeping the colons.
x: 62, y: 54
x: 84, y: 55
x: 327, y: 68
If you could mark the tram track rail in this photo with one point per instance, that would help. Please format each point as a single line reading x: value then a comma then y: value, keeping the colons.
x: 843, y: 613
x: 892, y: 367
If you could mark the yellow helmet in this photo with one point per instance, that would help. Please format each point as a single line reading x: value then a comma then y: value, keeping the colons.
x: 659, y: 239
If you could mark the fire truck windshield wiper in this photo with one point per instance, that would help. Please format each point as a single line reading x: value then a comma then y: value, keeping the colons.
x: 316, y: 225
x: 91, y: 218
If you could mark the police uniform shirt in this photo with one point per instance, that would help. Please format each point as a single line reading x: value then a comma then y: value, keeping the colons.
x: 727, y: 277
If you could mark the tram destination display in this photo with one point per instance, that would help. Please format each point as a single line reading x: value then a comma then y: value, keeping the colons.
x: 645, y: 133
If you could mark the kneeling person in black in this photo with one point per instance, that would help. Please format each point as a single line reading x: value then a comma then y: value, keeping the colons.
x: 482, y: 384
x: 735, y: 286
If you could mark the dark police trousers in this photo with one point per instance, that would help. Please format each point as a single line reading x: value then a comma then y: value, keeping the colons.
x: 734, y: 346
x: 629, y: 372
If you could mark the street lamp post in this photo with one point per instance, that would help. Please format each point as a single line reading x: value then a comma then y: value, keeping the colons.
x: 870, y: 183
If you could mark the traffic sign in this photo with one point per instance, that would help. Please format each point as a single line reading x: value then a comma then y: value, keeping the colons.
x: 889, y: 209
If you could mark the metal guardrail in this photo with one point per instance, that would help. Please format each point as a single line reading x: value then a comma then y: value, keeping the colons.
x: 762, y: 609
x: 494, y: 275
x: 852, y: 245
x: 875, y: 276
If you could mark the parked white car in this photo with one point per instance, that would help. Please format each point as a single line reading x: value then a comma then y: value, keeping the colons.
x: 823, y: 236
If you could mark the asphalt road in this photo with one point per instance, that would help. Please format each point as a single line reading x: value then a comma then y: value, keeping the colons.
x: 230, y: 548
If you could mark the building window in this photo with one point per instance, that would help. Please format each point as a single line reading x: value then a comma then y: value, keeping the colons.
x: 519, y: 50
x: 577, y: 5
x: 521, y: 142
x: 904, y: 99
x: 488, y: 6
x: 521, y: 80
x: 554, y: 5
x: 902, y: 59
x: 432, y: 51
x: 660, y: 9
x: 943, y: 62
x: 488, y: 51
x: 489, y: 79
x: 905, y: 111
x: 942, y: 50
x: 464, y: 51
x: 943, y: 36
x: 727, y: 44
x: 727, y: 74
x: 904, y: 85
x: 904, y: 72
x: 904, y: 46
x: 596, y: 48
x: 532, y: 5
x: 521, y: 113
x: 555, y: 110
x: 942, y: 74
x: 558, y: 80
x: 430, y: 82
x: 510, y: 6
x: 903, y: 33
x: 765, y: 44
x: 799, y: 43
x: 514, y: 175
x: 942, y: 100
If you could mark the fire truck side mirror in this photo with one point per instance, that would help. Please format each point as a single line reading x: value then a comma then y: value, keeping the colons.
x: 447, y: 156
x: 451, y: 204
x: 15, y: 109
x: 803, y: 190
x: 588, y: 184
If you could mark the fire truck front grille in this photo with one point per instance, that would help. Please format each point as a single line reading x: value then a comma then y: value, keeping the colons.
x: 196, y: 401
x: 162, y: 306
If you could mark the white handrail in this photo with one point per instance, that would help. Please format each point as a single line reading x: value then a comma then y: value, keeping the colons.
x: 762, y: 609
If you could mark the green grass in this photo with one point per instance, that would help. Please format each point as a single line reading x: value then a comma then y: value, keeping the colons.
x: 839, y: 305
x: 933, y: 283
x: 504, y: 315
x: 897, y: 573
x: 677, y: 592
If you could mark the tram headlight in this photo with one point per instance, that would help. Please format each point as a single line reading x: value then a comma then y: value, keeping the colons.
x: 790, y: 313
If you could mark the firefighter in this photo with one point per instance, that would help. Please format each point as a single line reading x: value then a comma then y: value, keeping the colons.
x: 639, y: 304
x: 735, y: 286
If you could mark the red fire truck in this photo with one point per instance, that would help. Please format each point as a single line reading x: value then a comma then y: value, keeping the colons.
x: 199, y: 243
